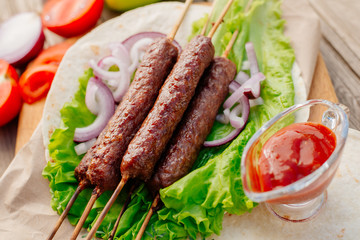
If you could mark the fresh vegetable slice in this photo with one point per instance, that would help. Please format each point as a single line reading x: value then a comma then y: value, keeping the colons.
x: 54, y: 54
x: 130, y: 41
x: 106, y: 108
x: 35, y: 82
x: 21, y: 38
x: 10, y: 98
x: 69, y: 18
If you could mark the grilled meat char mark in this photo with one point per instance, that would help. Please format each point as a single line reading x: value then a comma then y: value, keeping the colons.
x: 103, y: 171
x: 155, y: 132
x: 196, y: 124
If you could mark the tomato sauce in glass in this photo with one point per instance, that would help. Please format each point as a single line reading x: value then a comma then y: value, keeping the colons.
x: 293, y: 153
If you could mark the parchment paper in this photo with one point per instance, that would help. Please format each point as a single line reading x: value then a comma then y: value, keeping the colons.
x: 25, y: 198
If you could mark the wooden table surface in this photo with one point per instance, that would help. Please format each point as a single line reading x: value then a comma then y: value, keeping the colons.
x: 342, y: 60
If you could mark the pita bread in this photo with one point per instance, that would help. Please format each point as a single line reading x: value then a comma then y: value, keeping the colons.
x: 95, y: 45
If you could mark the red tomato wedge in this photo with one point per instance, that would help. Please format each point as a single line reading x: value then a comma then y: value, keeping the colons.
x: 52, y: 55
x: 70, y: 18
x: 35, y: 82
x: 10, y: 98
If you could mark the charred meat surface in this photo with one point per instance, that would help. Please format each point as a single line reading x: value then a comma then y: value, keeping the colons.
x: 150, y: 141
x: 157, y: 63
x: 196, y: 124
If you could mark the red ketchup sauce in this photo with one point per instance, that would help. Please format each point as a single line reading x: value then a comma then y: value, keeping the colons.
x: 293, y: 153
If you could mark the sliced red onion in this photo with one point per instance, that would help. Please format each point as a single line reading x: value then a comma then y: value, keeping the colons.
x: 137, y: 52
x: 244, y: 108
x: 253, y: 85
x: 250, y: 51
x: 119, y: 79
x: 129, y: 42
x: 251, y: 88
x: 222, y: 141
x: 102, y: 73
x: 106, y: 110
x: 83, y: 147
x: 233, y: 86
x: 21, y: 38
x: 234, y: 97
x: 224, y: 117
x: 241, y: 77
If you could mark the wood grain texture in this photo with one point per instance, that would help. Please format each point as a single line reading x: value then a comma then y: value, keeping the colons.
x: 345, y: 81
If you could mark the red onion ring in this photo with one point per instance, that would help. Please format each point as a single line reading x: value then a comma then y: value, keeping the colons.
x: 244, y: 109
x: 90, y: 97
x: 233, y: 86
x: 106, y: 110
x: 241, y: 77
x: 253, y: 85
x: 237, y: 122
x: 251, y: 88
x: 130, y: 41
x: 250, y: 51
x: 137, y: 51
x: 224, y: 117
x: 231, y: 136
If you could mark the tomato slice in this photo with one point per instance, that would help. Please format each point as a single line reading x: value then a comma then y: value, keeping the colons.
x: 10, y: 99
x: 70, y: 18
x: 35, y: 82
x: 52, y: 55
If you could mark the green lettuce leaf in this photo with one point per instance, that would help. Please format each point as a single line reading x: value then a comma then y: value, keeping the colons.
x: 194, y: 205
x: 199, y: 200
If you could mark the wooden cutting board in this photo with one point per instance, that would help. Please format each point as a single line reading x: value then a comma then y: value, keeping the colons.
x: 30, y: 115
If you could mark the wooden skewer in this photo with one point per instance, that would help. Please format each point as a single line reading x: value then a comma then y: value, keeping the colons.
x: 220, y: 19
x: 124, y: 180
x: 230, y: 44
x: 203, y: 31
x: 148, y: 216
x: 106, y: 208
x: 179, y: 21
x: 157, y: 198
x: 66, y: 211
x: 95, y: 195
x: 127, y: 201
x: 248, y: 6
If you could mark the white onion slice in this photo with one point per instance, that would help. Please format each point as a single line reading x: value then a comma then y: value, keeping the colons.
x: 106, y: 110
x: 90, y: 97
x: 21, y: 38
x: 256, y: 102
x: 137, y: 52
x: 250, y: 51
x: 83, y: 147
x: 241, y: 77
x: 224, y: 117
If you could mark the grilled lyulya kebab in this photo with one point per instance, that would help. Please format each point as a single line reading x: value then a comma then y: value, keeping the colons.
x: 151, y: 139
x: 110, y: 146
x: 196, y: 124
